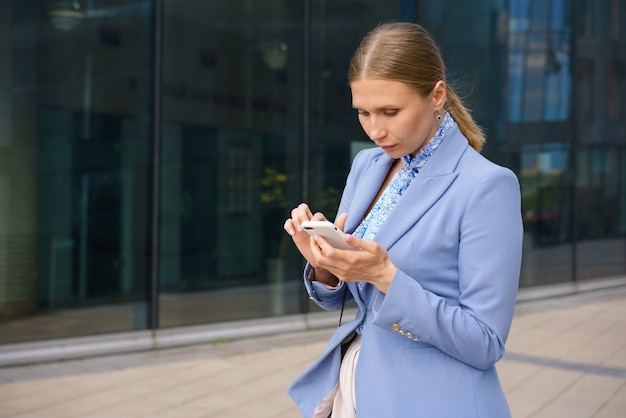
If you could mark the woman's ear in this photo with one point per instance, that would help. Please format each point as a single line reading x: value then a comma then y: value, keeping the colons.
x: 439, y: 94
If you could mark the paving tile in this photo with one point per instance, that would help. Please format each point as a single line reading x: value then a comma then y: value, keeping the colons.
x: 215, y: 403
x: 177, y: 412
x: 142, y: 406
x: 288, y: 414
x: 513, y: 374
x: 583, y: 399
x: 11, y: 390
x: 559, y: 348
x: 618, y: 358
x: 540, y: 390
x: 100, y: 414
x: 615, y: 407
x: 598, y: 351
x: 22, y: 404
x: 261, y: 407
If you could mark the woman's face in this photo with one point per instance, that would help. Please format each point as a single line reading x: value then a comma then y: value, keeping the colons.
x: 396, y: 117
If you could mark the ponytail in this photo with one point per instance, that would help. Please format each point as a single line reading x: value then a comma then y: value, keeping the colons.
x: 462, y: 117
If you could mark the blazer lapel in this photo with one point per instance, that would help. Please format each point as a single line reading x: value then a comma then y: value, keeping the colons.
x: 427, y: 187
x: 366, y: 190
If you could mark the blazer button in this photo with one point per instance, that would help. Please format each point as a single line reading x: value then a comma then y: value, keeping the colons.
x: 409, y: 335
x: 395, y: 327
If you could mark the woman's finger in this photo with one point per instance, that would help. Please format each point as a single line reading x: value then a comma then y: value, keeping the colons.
x: 300, y: 214
x: 289, y: 227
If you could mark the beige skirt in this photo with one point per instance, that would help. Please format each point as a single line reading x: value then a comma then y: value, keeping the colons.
x: 344, y: 404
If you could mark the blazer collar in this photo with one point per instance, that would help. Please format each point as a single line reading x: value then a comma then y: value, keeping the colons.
x: 428, y: 186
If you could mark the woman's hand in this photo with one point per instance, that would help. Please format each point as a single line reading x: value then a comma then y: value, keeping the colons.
x: 369, y: 264
x: 304, y: 242
x: 293, y: 226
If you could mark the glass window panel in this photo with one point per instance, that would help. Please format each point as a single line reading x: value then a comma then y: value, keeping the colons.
x: 586, y: 17
x: 585, y: 92
x: 540, y: 36
x: 618, y: 21
x: 232, y: 106
x: 73, y: 167
x: 558, y: 79
x: 540, y: 14
x: 546, y: 209
x: 518, y: 12
x: 600, y: 211
x: 516, y: 86
x: 616, y: 90
x: 558, y: 87
x: 621, y: 210
x: 534, y: 86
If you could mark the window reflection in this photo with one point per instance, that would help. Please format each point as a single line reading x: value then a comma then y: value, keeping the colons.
x: 231, y: 143
x: 539, y: 60
x: 545, y: 193
x: 600, y: 212
x: 249, y: 128
x: 546, y: 212
x: 75, y: 114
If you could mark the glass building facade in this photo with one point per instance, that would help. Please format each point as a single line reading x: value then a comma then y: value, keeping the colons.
x: 150, y: 151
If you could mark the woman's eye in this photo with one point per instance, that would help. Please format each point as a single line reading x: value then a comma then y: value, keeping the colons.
x: 361, y: 113
x: 390, y: 112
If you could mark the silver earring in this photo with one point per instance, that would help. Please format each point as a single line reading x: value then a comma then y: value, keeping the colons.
x: 438, y: 117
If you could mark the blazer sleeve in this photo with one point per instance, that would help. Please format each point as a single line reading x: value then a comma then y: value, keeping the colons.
x: 474, y: 328
x: 326, y: 298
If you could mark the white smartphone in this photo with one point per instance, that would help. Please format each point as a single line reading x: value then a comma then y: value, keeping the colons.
x: 329, y: 231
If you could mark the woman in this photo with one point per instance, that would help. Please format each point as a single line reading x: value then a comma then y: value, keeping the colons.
x: 439, y: 231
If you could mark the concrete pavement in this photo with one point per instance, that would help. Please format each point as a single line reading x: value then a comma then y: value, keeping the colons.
x: 566, y: 357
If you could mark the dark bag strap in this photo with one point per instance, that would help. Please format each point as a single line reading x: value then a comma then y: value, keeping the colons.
x: 343, y: 302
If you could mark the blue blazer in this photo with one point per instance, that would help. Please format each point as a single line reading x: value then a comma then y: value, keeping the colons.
x: 431, y: 343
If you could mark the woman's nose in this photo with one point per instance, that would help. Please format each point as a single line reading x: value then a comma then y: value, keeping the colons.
x: 376, y: 129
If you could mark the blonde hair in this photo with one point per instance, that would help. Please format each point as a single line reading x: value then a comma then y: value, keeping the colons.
x: 407, y: 53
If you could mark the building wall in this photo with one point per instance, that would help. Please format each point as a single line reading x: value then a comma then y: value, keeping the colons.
x: 149, y: 155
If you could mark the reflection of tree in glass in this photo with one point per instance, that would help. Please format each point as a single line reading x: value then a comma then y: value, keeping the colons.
x: 326, y: 201
x: 273, y: 186
x: 273, y: 198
